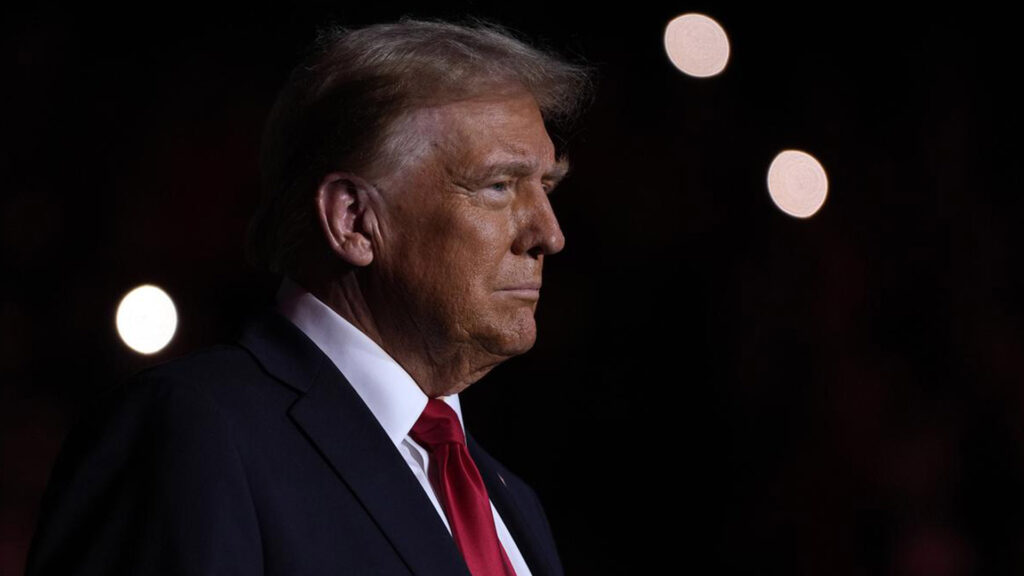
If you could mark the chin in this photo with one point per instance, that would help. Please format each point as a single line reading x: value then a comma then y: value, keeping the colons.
x: 515, y: 340
x: 522, y: 347
x: 521, y: 342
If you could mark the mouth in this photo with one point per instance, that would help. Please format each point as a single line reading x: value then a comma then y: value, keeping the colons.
x: 526, y: 291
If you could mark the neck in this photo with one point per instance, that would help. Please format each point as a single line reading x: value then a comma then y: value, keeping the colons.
x: 439, y: 368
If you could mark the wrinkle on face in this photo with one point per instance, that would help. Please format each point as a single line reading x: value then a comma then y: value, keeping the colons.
x: 448, y: 271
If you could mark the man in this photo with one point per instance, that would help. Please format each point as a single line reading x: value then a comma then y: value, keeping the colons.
x: 407, y: 170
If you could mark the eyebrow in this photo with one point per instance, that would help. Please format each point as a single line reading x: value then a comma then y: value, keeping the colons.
x: 522, y: 168
x: 559, y: 171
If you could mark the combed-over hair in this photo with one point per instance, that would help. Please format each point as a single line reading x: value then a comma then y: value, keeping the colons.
x: 340, y: 107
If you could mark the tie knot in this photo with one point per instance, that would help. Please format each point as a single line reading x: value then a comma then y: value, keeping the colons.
x: 437, y: 425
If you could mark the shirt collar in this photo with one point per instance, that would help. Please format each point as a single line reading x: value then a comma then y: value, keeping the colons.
x: 388, y: 390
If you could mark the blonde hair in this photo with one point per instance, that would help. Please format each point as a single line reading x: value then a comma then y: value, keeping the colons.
x: 340, y: 109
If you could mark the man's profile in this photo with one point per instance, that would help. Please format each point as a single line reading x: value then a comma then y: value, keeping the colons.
x: 407, y: 169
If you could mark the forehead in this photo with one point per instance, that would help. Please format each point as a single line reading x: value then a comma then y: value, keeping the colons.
x: 483, y: 131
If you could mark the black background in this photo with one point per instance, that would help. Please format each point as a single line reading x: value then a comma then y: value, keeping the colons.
x: 716, y: 385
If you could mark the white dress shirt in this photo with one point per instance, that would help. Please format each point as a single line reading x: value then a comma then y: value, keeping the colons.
x: 388, y: 390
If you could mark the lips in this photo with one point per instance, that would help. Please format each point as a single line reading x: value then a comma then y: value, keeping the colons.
x: 525, y: 286
x: 529, y: 291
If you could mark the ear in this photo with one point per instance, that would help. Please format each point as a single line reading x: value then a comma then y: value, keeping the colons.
x: 342, y: 204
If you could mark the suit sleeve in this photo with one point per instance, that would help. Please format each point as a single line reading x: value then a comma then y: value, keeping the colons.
x: 149, y: 483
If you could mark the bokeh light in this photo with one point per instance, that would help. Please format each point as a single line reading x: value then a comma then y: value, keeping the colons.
x: 797, y: 183
x: 146, y: 319
x: 697, y: 45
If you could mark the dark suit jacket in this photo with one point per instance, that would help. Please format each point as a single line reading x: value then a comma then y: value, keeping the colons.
x: 258, y: 458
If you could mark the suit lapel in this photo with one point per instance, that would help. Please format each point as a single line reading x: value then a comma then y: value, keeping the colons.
x: 511, y: 511
x: 348, y: 436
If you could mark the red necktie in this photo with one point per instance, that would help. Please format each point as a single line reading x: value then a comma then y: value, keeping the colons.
x: 461, y: 491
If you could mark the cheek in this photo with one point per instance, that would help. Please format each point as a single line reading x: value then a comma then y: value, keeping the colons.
x: 477, y: 244
x: 466, y: 269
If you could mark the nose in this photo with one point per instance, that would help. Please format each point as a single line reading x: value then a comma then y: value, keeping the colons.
x: 539, y: 232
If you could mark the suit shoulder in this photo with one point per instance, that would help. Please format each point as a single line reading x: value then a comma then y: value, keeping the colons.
x: 191, y: 405
x: 175, y: 384
x: 216, y: 388
x: 141, y: 457
x: 225, y: 374
x: 217, y: 363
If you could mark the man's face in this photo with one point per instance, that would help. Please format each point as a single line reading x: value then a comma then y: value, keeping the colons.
x: 466, y: 226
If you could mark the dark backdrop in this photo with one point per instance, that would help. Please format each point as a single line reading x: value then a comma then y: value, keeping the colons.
x: 716, y: 385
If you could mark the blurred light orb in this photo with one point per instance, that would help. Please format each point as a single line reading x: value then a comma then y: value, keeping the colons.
x: 696, y: 45
x: 146, y: 319
x: 797, y: 183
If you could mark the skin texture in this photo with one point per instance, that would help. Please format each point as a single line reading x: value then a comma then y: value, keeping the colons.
x: 440, y: 261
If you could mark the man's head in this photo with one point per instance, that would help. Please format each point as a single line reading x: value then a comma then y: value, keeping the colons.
x: 411, y: 163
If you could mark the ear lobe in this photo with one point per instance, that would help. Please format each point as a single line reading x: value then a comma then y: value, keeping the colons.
x: 341, y: 205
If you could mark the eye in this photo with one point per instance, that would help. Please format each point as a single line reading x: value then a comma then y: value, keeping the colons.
x: 502, y: 186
